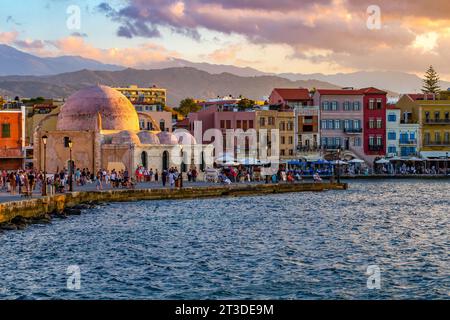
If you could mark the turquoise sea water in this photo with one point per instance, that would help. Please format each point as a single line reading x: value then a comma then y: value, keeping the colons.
x: 289, y: 246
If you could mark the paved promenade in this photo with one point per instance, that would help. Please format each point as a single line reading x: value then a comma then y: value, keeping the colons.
x: 7, y: 197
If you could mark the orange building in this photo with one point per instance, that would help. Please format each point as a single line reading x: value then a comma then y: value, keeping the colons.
x: 12, y: 139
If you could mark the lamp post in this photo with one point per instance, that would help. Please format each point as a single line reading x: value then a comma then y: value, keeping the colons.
x: 70, y: 166
x: 446, y: 163
x: 339, y: 165
x: 44, y: 182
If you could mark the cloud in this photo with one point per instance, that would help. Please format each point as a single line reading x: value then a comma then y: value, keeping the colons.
x: 315, y: 30
x: 130, y: 57
x: 8, y: 37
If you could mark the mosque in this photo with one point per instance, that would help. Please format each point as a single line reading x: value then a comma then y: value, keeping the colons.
x: 103, y: 129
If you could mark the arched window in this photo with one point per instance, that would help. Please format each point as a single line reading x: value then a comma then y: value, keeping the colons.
x: 165, y: 160
x: 202, y: 164
x: 144, y: 159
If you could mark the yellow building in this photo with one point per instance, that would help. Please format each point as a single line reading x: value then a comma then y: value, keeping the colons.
x: 147, y: 97
x: 434, y: 119
x: 284, y: 122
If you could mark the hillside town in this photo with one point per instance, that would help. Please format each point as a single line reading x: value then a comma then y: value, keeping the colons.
x: 321, y: 131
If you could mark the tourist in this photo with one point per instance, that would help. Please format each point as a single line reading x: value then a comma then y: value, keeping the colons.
x: 189, y: 175
x: 164, y: 177
x: 98, y: 181
x: 156, y: 175
x: 172, y: 179
x: 194, y: 175
x: 13, y: 183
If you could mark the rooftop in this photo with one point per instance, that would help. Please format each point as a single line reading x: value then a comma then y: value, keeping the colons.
x: 293, y: 94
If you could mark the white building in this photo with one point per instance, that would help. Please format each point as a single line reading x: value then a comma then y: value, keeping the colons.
x: 402, y: 137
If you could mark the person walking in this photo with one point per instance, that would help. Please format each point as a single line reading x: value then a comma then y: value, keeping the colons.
x: 164, y: 177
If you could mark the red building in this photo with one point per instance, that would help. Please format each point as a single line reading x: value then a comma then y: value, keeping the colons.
x: 292, y: 98
x: 12, y: 139
x: 374, y: 102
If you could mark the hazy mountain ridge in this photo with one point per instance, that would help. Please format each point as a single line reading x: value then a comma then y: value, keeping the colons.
x: 16, y: 62
x: 180, y: 83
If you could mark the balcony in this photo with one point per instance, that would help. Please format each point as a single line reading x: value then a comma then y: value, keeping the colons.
x: 333, y: 147
x: 353, y: 130
x: 437, y: 121
x: 436, y: 143
x: 376, y: 148
x: 408, y: 142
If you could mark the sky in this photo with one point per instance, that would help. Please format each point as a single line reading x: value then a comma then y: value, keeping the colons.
x: 300, y: 36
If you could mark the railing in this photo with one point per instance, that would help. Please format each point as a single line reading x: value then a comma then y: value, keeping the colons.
x: 408, y: 142
x: 436, y: 143
x: 376, y: 148
x: 353, y: 130
x: 437, y: 121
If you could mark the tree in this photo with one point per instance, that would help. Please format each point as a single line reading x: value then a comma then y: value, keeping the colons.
x: 431, y: 81
x: 187, y: 106
x: 246, y: 104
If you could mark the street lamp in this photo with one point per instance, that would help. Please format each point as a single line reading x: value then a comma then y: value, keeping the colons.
x: 339, y: 165
x: 70, y: 166
x: 44, y: 182
x: 446, y: 163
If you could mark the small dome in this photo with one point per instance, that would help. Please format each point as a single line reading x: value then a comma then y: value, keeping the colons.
x: 126, y: 137
x: 147, y: 137
x: 185, y: 138
x: 80, y: 111
x: 167, y: 138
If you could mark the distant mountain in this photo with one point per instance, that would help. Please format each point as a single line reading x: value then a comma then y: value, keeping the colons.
x: 16, y: 62
x: 207, y: 67
x: 394, y: 81
x: 180, y: 82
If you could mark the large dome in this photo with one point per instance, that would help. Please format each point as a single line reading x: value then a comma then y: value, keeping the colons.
x: 80, y: 111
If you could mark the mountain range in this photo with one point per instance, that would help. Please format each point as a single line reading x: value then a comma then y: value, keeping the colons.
x: 180, y: 83
x: 15, y: 62
x: 27, y: 75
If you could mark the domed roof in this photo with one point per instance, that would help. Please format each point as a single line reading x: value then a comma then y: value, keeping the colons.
x: 148, y: 137
x: 126, y: 137
x: 79, y: 113
x: 167, y: 138
x: 185, y: 138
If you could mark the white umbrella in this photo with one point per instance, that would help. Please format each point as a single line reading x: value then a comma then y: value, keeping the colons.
x: 415, y: 159
x: 248, y: 161
x: 356, y: 161
x: 382, y: 161
x: 340, y: 162
x: 226, y: 157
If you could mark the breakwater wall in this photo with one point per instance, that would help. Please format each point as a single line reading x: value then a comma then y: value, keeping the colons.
x: 42, y: 207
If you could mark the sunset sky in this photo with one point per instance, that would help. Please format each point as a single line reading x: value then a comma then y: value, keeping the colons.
x: 302, y: 36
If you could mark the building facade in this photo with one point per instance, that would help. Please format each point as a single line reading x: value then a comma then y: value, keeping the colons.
x: 152, y: 97
x: 12, y: 139
x: 402, y: 137
x: 374, y: 103
x: 434, y: 119
x: 341, y: 121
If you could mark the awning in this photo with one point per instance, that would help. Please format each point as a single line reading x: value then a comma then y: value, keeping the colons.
x: 435, y: 154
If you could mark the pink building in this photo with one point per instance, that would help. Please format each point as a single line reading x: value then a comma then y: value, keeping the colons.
x: 223, y: 118
x: 341, y: 121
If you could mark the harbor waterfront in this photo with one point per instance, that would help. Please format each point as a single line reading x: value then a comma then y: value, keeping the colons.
x: 272, y: 246
x: 41, y: 207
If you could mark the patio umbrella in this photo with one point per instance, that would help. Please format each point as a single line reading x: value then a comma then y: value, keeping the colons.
x: 356, y: 161
x: 382, y: 161
x: 415, y: 159
x: 340, y: 162
x: 248, y: 162
x: 226, y: 157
